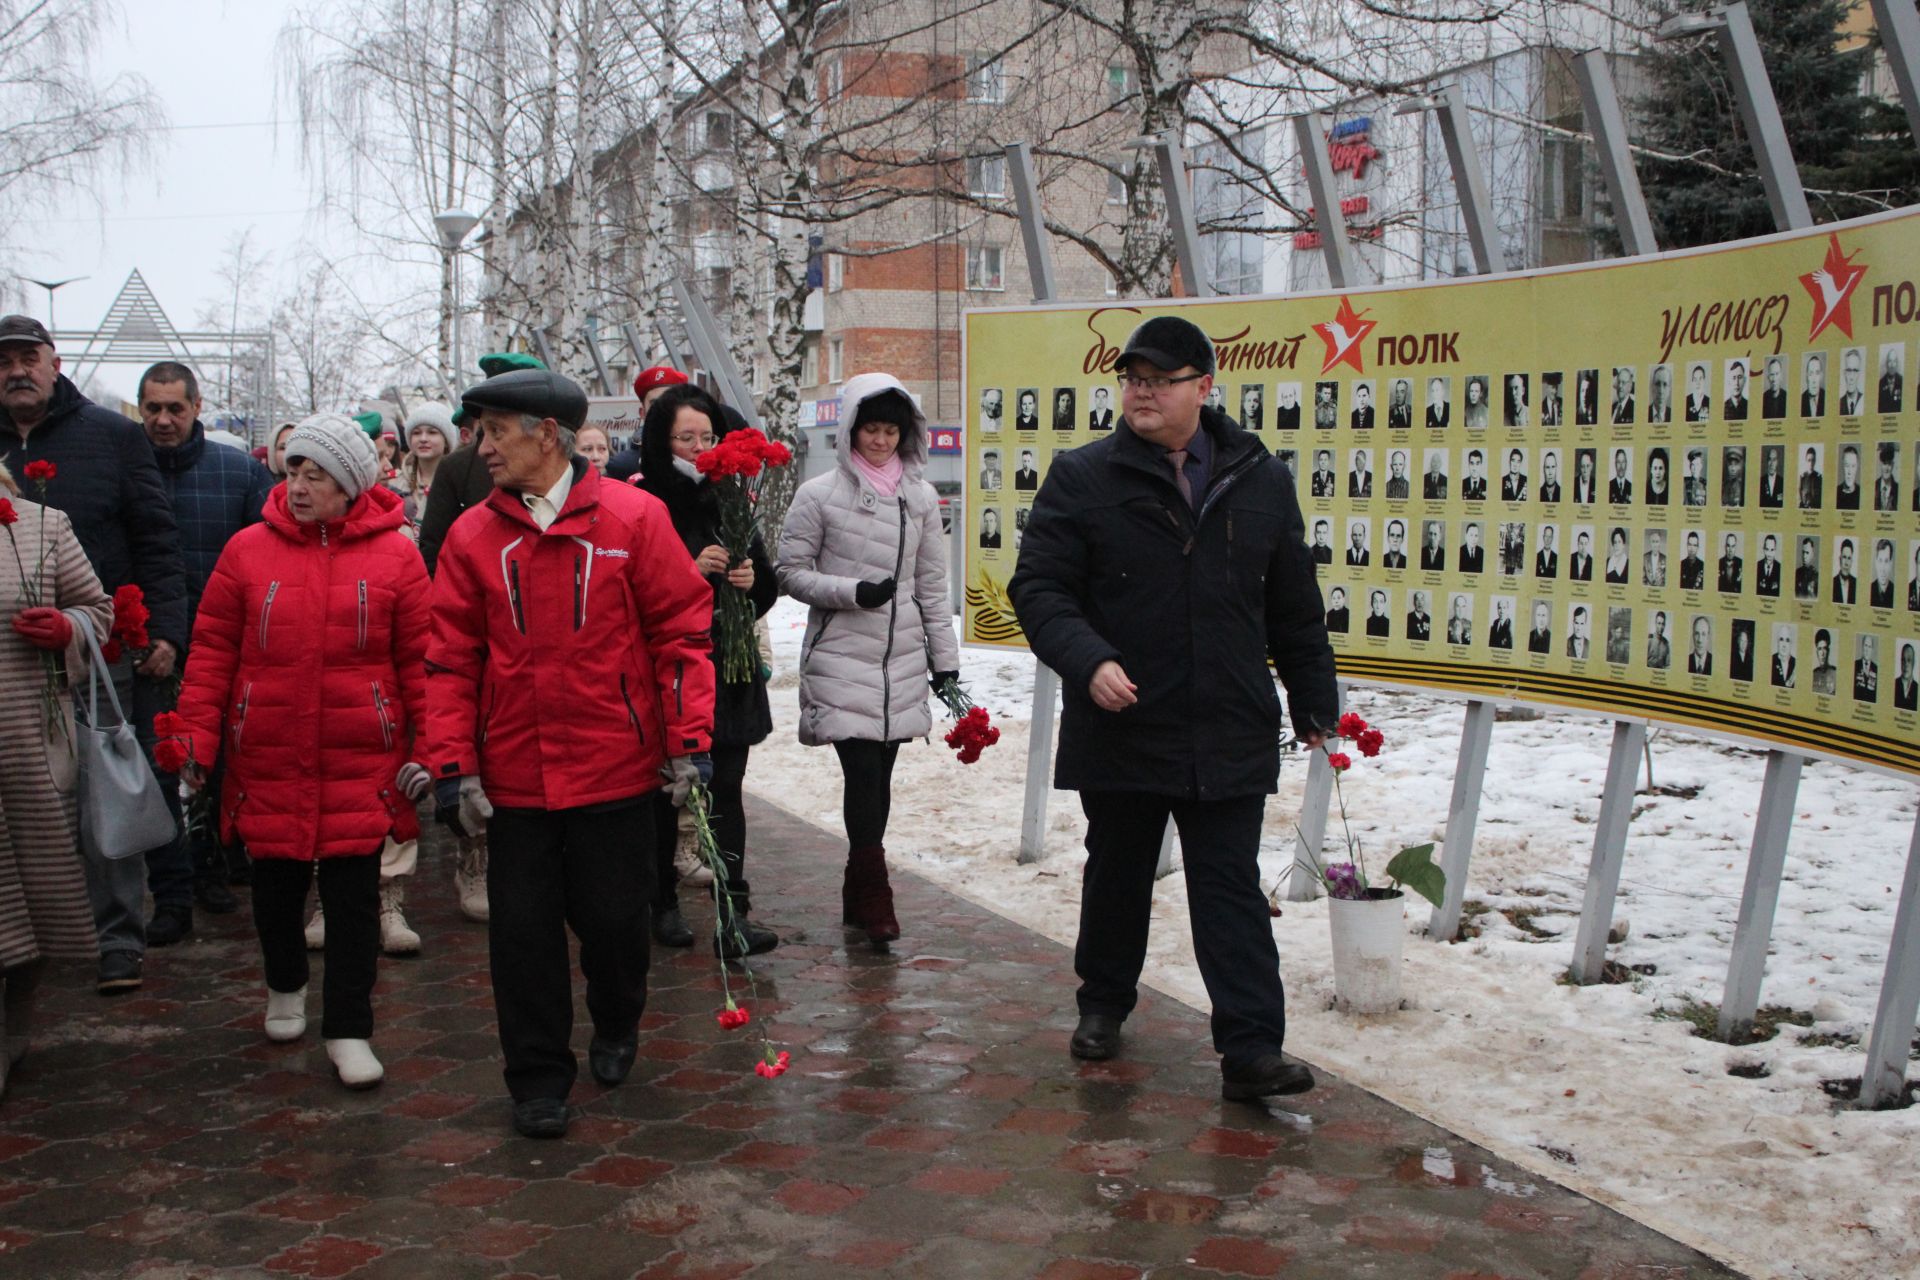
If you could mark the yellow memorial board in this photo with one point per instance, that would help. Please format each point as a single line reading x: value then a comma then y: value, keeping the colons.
x: 1683, y: 488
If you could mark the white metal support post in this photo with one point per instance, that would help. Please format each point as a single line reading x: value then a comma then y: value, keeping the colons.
x: 1765, y: 862
x: 1449, y: 107
x: 599, y: 359
x: 540, y: 347
x: 711, y: 344
x: 1899, y: 27
x: 1609, y: 850
x: 1463, y: 813
x: 1608, y: 125
x: 1886, y: 1070
x: 1311, y: 130
x: 1046, y: 685
x: 1760, y: 112
x: 1180, y: 216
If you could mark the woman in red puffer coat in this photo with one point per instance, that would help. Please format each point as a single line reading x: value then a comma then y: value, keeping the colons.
x: 307, y: 669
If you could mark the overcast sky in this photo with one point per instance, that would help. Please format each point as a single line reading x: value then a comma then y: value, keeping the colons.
x: 224, y: 167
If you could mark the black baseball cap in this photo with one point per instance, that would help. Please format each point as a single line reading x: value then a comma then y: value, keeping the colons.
x: 1168, y: 342
x: 24, y: 329
x: 540, y: 392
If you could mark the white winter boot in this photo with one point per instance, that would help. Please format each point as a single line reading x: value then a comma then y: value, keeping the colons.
x: 286, y: 1014
x: 470, y: 877
x: 354, y: 1063
x: 397, y: 938
x: 317, y: 929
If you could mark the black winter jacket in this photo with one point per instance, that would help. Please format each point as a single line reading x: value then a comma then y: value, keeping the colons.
x: 462, y: 481
x: 216, y: 492
x: 1115, y: 566
x: 742, y: 715
x: 110, y: 488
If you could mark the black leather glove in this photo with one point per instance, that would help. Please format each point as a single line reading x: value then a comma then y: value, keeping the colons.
x: 939, y: 678
x: 871, y: 595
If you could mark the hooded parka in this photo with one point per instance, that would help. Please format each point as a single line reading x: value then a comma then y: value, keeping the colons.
x: 864, y: 672
x: 306, y: 670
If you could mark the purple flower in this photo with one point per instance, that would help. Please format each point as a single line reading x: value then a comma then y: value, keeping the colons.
x: 1343, y: 881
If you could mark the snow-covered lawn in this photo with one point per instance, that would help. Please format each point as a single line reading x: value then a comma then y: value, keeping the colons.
x: 1590, y: 1086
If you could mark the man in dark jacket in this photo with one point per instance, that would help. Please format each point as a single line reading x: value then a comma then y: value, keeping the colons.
x: 1162, y: 567
x: 107, y: 483
x: 215, y: 492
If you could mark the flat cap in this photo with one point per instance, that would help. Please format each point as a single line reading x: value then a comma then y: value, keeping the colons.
x: 540, y: 392
x: 24, y: 329
x: 1169, y: 342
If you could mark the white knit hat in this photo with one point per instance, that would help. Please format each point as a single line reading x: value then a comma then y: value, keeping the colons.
x: 339, y: 447
x: 440, y: 418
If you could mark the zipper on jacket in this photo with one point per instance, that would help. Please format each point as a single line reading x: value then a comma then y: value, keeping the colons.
x: 679, y: 671
x: 240, y: 716
x: 579, y: 585
x: 266, y: 611
x: 633, y: 717
x: 807, y: 651
x: 380, y: 711
x: 493, y: 696
x: 893, y: 619
x: 360, y: 629
x: 513, y: 597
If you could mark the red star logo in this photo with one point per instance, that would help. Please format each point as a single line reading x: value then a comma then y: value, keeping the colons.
x: 1342, y: 334
x: 1831, y: 288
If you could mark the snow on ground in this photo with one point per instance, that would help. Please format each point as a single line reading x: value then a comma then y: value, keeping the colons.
x: 1589, y: 1086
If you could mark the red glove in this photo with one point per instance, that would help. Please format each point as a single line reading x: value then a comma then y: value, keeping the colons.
x: 44, y: 628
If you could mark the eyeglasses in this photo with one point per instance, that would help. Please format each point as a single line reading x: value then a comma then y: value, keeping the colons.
x: 706, y: 441
x: 1154, y: 385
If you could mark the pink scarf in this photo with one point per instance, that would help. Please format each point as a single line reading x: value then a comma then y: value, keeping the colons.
x: 886, y: 478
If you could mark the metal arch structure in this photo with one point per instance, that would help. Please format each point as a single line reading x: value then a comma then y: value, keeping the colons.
x: 137, y: 331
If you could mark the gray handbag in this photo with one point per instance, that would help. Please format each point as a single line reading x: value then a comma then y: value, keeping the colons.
x: 123, y: 811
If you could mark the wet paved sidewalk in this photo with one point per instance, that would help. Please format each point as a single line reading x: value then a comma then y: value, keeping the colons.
x: 932, y: 1126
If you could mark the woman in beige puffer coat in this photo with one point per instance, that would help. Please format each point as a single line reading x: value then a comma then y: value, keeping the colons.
x: 864, y: 548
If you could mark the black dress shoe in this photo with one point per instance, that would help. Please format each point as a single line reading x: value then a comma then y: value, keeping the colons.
x: 119, y: 973
x: 1266, y: 1076
x: 670, y: 928
x: 213, y: 897
x: 170, y: 924
x: 540, y: 1118
x: 1097, y: 1038
x: 745, y: 939
x: 610, y: 1060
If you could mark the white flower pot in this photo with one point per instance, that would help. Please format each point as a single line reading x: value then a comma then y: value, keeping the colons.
x: 1368, y: 935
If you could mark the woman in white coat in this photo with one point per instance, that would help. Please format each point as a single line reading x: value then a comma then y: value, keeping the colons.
x: 864, y: 548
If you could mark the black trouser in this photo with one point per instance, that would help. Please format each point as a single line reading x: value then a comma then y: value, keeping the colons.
x: 726, y: 813
x: 548, y: 870
x: 868, y: 796
x: 212, y: 860
x: 350, y: 895
x: 1232, y: 928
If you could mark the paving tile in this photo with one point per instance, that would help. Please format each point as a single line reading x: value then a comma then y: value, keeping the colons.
x: 932, y: 1124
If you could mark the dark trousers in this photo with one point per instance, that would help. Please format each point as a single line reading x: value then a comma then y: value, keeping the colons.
x: 867, y: 800
x: 170, y: 866
x: 726, y: 813
x: 548, y: 870
x: 350, y: 895
x: 1232, y: 929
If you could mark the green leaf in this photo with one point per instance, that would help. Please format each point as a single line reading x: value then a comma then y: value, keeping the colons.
x: 1414, y: 868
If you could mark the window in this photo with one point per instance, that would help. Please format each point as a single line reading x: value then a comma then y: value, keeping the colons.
x: 836, y: 273
x: 831, y: 81
x: 986, y: 79
x: 810, y: 365
x: 1116, y: 189
x: 836, y: 366
x: 984, y: 268
x: 1224, y: 196
x: 1119, y: 84
x: 1562, y: 179
x: 1113, y: 285
x: 987, y: 176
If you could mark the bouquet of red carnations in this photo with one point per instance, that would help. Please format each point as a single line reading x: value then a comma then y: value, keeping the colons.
x: 734, y: 468
x: 973, y: 730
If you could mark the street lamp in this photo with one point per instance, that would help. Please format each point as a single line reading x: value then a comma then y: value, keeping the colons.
x: 453, y: 226
x: 50, y: 286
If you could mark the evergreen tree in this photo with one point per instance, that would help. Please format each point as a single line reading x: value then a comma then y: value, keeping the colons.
x: 1858, y: 152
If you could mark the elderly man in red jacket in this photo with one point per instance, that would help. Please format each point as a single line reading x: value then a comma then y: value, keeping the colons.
x: 568, y: 679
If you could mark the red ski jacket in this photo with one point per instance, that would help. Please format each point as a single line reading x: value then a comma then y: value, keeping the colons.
x: 567, y: 665
x: 306, y: 668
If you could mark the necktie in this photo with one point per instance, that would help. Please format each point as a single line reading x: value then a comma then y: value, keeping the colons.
x: 1178, y: 457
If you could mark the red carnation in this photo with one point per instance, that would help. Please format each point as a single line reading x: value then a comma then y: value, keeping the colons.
x: 1340, y: 761
x: 170, y: 754
x: 111, y: 650
x: 1351, y: 725
x: 1370, y: 743
x: 7, y: 514
x: 731, y: 1018
x: 170, y: 724
x: 771, y: 1067
x: 41, y: 472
